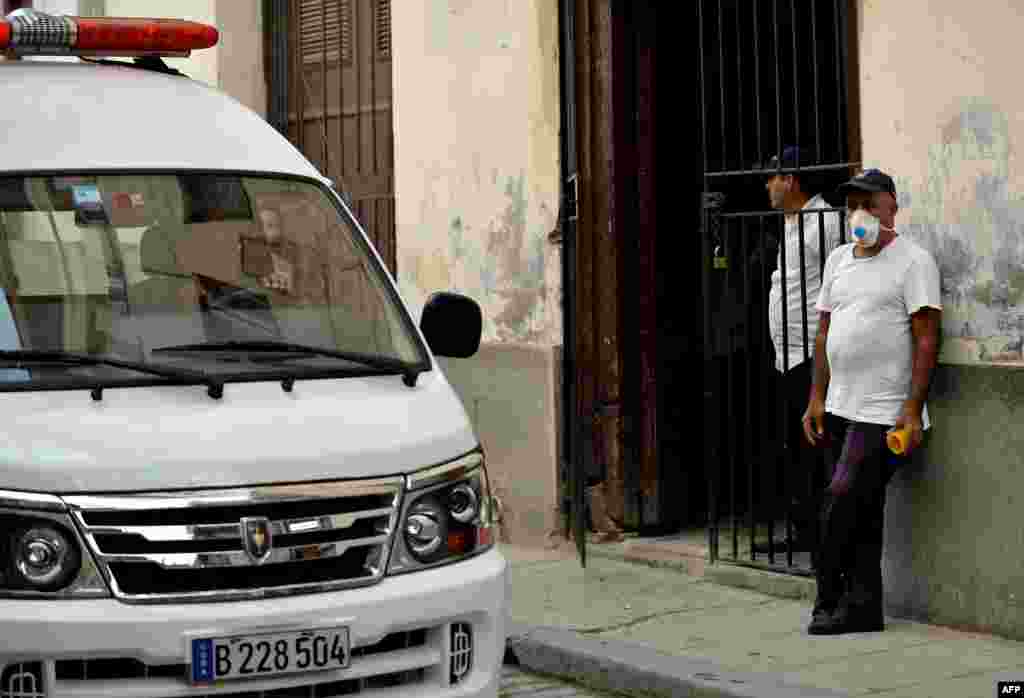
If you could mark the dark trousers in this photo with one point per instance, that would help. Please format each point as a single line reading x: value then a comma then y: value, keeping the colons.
x: 804, y: 472
x: 849, y: 564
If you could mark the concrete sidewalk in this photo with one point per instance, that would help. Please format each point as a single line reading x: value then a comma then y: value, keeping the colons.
x: 646, y: 631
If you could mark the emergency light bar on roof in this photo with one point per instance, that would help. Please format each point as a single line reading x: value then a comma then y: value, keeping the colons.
x: 28, y: 32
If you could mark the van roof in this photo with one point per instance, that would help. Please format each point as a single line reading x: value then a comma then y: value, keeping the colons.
x: 78, y: 116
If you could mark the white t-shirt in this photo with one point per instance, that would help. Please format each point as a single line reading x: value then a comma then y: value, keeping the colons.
x: 795, y: 307
x: 870, y: 343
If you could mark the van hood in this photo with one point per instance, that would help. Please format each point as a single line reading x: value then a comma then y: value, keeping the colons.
x: 177, y: 437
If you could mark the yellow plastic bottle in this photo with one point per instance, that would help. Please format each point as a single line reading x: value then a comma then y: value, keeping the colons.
x: 898, y: 440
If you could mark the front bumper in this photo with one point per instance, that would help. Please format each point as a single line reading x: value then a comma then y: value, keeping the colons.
x: 54, y: 638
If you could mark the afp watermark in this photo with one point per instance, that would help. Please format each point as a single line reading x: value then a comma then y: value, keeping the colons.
x: 1010, y: 688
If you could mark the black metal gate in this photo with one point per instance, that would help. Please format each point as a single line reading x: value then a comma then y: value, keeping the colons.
x: 774, y: 74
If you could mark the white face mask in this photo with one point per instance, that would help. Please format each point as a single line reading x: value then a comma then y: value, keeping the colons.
x: 864, y: 228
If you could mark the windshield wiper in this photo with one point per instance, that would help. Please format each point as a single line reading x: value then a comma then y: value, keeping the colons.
x: 27, y: 358
x: 409, y: 372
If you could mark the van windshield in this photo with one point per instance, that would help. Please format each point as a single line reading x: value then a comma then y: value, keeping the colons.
x: 214, y: 273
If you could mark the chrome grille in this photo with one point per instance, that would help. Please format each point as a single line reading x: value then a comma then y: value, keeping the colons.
x: 194, y: 546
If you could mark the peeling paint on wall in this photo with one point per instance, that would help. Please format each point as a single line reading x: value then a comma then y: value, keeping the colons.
x: 966, y: 213
x: 941, y: 111
x: 476, y: 160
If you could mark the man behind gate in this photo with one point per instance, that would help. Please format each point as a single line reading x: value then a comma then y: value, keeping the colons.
x: 793, y: 324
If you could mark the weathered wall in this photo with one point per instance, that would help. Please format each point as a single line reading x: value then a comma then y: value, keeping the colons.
x: 510, y: 391
x: 476, y: 159
x: 954, y: 532
x: 235, y: 65
x: 476, y: 186
x: 240, y: 68
x: 942, y: 112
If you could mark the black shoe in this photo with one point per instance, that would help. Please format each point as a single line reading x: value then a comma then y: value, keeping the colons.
x: 822, y: 623
x: 843, y: 621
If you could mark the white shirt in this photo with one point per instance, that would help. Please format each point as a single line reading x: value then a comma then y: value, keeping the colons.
x: 870, y: 343
x: 795, y: 308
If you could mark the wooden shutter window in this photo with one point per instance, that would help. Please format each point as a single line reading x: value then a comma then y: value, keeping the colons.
x: 325, y: 26
x: 383, y: 30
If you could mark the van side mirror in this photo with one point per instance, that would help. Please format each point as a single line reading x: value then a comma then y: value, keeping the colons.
x: 452, y: 324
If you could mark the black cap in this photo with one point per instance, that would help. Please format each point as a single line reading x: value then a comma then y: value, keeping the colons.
x: 869, y: 180
x: 792, y: 156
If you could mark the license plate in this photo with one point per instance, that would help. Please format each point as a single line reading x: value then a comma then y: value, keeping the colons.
x: 269, y: 654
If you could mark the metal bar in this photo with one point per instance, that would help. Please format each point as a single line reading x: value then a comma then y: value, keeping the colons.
x: 373, y: 85
x: 342, y: 187
x: 797, y: 139
x: 784, y: 412
x: 240, y: 558
x: 781, y: 170
x: 703, y: 97
x: 763, y: 239
x: 239, y: 496
x: 730, y: 387
x: 721, y: 85
x: 778, y: 83
x: 803, y: 281
x: 288, y: 47
x: 748, y: 421
x: 356, y: 58
x: 772, y: 214
x: 784, y: 293
x: 817, y: 97
x: 739, y: 85
x: 226, y: 531
x: 757, y: 81
x: 840, y: 92
x: 730, y: 392
x: 323, y: 88
x: 299, y: 69
x: 792, y: 459
x: 803, y: 323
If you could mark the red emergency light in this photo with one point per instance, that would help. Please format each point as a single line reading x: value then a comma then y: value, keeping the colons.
x: 28, y: 32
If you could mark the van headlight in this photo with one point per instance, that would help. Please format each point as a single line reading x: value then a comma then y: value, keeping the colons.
x: 44, y: 557
x: 41, y: 554
x: 446, y: 516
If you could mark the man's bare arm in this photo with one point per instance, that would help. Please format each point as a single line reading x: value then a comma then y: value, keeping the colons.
x: 822, y: 376
x: 925, y: 325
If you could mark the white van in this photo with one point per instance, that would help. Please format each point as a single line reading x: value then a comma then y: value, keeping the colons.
x: 229, y: 463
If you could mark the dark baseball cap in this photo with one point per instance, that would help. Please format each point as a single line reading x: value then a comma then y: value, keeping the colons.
x: 792, y: 156
x: 869, y: 180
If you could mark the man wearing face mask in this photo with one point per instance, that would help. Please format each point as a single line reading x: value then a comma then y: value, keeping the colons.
x: 875, y: 352
x: 790, y: 309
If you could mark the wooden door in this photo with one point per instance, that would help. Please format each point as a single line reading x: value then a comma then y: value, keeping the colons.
x: 340, y: 105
